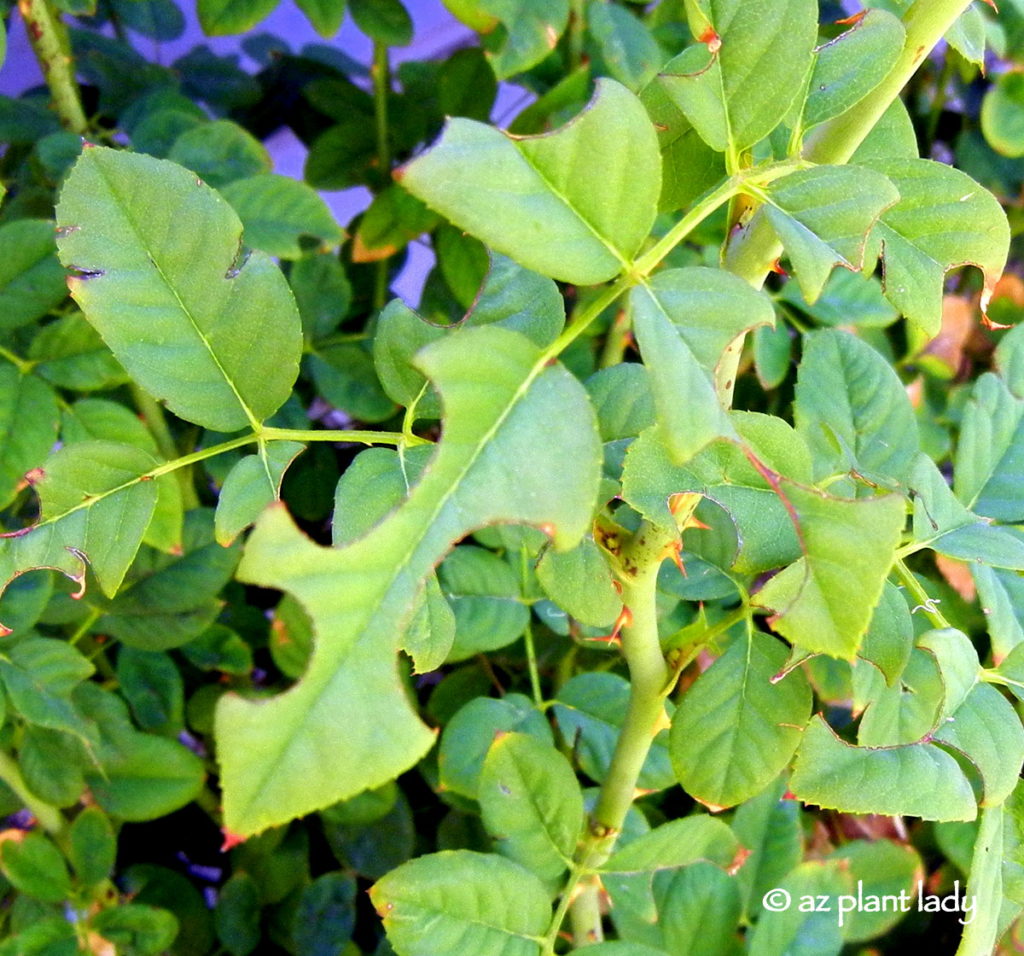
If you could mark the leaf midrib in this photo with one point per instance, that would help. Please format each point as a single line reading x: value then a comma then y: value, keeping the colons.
x: 141, y: 240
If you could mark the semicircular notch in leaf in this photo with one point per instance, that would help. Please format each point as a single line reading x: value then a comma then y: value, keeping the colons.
x: 824, y: 601
x: 943, y: 219
x: 823, y: 216
x: 919, y: 780
x: 93, y: 507
x: 347, y: 725
x: 574, y: 204
x: 218, y: 339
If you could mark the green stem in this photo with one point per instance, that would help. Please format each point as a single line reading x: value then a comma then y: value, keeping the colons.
x: 22, y: 365
x: 531, y: 650
x: 577, y: 28
x: 920, y: 595
x: 49, y: 817
x: 90, y: 619
x: 380, y: 73
x: 49, y: 39
x: 649, y: 677
x: 152, y: 413
x: 752, y: 255
x: 361, y: 437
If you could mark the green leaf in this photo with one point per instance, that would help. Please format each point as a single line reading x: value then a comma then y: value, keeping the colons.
x: 92, y: 846
x: 676, y: 844
x: 590, y: 188
x: 532, y: 28
x: 943, y: 524
x: 171, y: 599
x: 28, y: 426
x: 943, y: 219
x: 345, y: 376
x: 738, y: 87
x: 39, y: 675
x: 511, y: 297
x: 849, y: 67
x: 773, y: 354
x: 224, y: 17
x: 456, y: 899
x: 139, y: 776
x: 531, y: 804
x: 152, y: 686
x: 853, y: 411
x: 590, y: 710
x: 253, y: 483
x: 883, y: 868
x: 581, y: 583
x: 968, y: 36
x: 220, y: 153
x: 735, y: 730
x: 70, y: 353
x: 393, y: 220
x: 848, y: 298
x: 1001, y: 594
x: 485, y: 594
x: 120, y: 213
x: 322, y: 293
x: 237, y: 916
x: 987, y: 731
x: 383, y: 21
x: 325, y: 15
x: 325, y: 916
x: 905, y: 712
x: 468, y: 737
x: 823, y: 217
x: 93, y: 508
x: 799, y: 928
x: 768, y: 827
x: 35, y: 867
x: 1001, y: 115
x: 824, y: 601
x: 136, y: 928
x: 890, y: 635
x: 989, y: 468
x: 723, y: 473
x: 918, y: 780
x: 495, y: 385
x: 684, y: 319
x: 278, y: 212
x: 31, y: 279
x: 628, y: 50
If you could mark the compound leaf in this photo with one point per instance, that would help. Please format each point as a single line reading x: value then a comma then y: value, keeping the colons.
x: 277, y: 754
